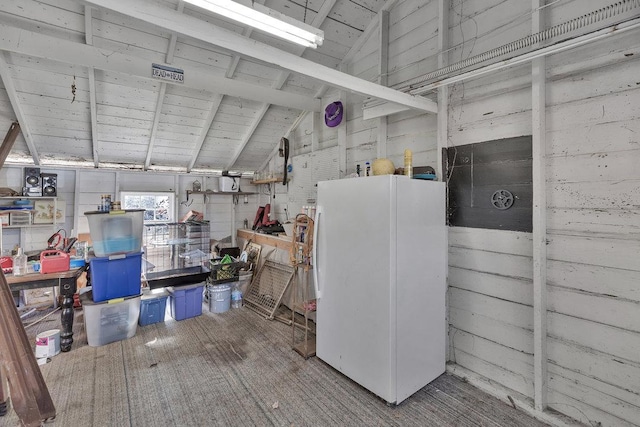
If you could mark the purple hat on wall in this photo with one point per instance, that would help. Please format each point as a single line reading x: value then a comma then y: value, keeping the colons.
x: 333, y: 114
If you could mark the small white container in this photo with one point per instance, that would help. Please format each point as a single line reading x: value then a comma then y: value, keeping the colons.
x: 48, y: 343
x: 288, y: 228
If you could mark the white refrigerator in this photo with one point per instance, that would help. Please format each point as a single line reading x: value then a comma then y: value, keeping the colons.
x: 380, y: 263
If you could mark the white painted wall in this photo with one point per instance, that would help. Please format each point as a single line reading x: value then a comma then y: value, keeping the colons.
x: 593, y: 149
x: 593, y: 335
x: 224, y: 217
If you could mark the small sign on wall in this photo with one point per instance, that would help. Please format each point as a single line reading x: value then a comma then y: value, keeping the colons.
x: 164, y: 72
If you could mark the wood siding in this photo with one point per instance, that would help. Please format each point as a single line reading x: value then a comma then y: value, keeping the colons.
x: 592, y: 114
x: 593, y: 148
x: 224, y: 216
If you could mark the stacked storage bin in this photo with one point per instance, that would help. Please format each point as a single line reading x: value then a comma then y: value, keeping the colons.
x: 112, y: 308
x: 153, y: 306
x: 185, y: 301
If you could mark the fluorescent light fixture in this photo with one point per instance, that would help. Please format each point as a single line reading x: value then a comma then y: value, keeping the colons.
x: 266, y: 20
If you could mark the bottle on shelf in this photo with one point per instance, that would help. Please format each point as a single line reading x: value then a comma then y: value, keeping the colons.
x: 358, y: 169
x: 408, y: 163
x: 367, y: 171
x: 19, y: 263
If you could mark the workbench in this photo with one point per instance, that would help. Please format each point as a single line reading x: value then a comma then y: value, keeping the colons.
x: 280, y: 242
x: 66, y: 280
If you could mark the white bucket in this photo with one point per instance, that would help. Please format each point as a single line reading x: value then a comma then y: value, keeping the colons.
x: 219, y: 298
x: 48, y: 343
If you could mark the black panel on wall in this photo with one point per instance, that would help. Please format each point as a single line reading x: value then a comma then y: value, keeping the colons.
x: 477, y: 171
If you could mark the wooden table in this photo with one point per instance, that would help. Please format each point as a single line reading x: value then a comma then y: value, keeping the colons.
x: 66, y: 280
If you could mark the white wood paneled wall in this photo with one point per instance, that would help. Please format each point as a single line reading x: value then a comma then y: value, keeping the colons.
x: 593, y: 149
x: 36, y: 237
x: 218, y: 209
x: 592, y: 113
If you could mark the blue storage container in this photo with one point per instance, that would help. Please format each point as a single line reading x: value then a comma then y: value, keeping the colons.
x: 186, y: 301
x: 152, y: 307
x: 116, y: 276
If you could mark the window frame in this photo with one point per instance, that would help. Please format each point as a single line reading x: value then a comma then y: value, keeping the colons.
x: 171, y: 209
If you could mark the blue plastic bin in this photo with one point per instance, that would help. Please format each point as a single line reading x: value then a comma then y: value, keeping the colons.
x: 116, y: 276
x: 186, y: 301
x: 152, y: 308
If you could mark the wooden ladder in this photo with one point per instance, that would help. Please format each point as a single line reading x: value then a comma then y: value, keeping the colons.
x: 300, y: 256
x: 30, y: 396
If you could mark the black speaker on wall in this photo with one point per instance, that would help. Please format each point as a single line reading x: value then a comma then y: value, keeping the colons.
x: 49, y: 184
x: 32, y: 183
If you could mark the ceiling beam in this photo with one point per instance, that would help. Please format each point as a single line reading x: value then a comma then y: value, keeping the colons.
x: 190, y: 26
x: 231, y: 69
x: 373, y: 24
x: 245, y: 140
x: 5, y: 75
x: 7, y: 142
x: 200, y: 78
x: 154, y: 126
x: 366, y: 34
x: 205, y: 130
x: 322, y: 14
x: 93, y: 104
x: 163, y: 90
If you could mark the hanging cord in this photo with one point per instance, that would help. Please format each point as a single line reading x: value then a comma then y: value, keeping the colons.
x: 591, y: 18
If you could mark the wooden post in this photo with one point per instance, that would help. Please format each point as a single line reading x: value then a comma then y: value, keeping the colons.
x: 538, y: 103
x: 383, y: 70
x: 29, y: 394
x: 443, y: 126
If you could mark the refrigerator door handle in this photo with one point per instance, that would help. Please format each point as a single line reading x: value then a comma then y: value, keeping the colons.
x: 315, y: 254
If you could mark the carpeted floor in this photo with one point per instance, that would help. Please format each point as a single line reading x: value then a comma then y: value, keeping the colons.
x: 235, y: 369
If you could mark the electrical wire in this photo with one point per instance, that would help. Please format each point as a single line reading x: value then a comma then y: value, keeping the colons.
x: 41, y: 319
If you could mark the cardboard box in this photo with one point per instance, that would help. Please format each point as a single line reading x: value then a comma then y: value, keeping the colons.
x: 192, y: 216
x: 41, y: 296
x: 229, y: 183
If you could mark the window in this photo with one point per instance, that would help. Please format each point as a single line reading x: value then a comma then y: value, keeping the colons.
x: 158, y: 206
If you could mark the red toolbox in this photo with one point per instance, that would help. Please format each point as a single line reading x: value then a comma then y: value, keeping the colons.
x: 54, y: 261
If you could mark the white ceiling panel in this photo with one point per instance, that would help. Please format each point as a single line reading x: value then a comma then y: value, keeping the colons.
x: 139, y: 120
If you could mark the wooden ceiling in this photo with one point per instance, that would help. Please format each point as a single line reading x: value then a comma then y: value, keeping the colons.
x: 77, y: 76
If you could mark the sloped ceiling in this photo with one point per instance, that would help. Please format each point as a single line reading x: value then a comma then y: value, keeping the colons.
x: 77, y: 76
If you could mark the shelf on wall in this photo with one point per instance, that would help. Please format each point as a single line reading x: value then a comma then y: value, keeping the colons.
x: 219, y: 193
x: 15, y: 227
x: 265, y: 181
x: 28, y: 197
x: 268, y: 181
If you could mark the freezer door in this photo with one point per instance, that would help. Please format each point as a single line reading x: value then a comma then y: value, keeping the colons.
x: 354, y: 280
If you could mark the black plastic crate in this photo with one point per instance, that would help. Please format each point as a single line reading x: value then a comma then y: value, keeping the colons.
x: 223, y: 273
